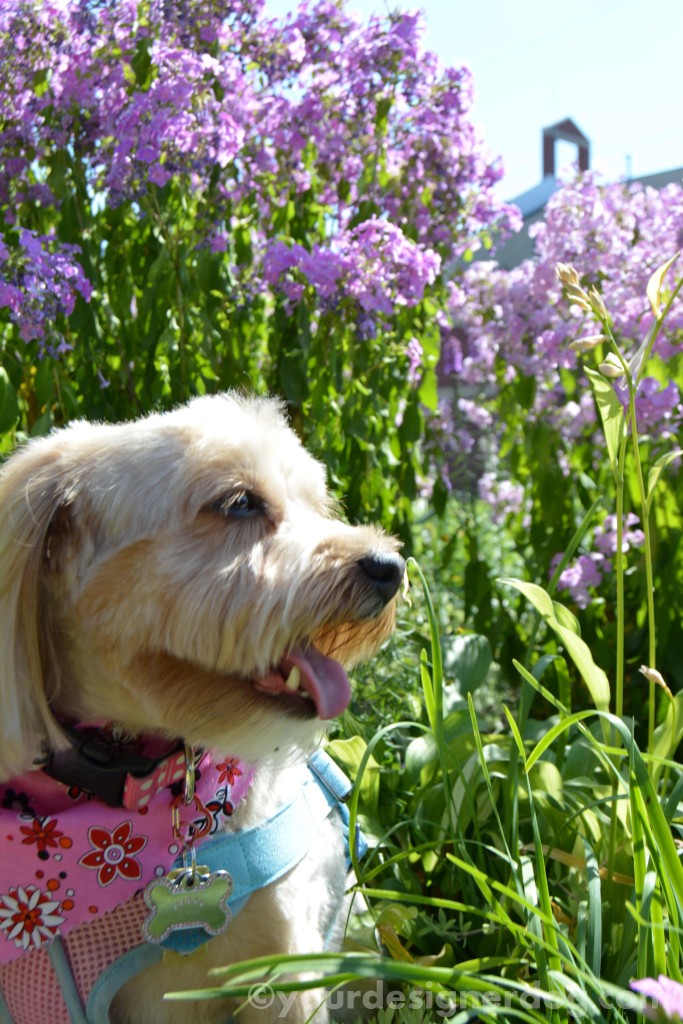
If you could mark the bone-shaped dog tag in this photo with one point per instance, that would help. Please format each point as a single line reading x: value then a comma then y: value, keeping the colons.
x: 188, y: 898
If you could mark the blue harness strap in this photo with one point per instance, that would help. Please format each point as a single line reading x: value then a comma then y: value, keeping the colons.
x: 330, y: 775
x: 61, y: 967
x: 5, y: 1015
x: 115, y: 977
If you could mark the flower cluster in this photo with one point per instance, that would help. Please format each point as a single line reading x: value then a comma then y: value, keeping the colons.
x: 605, y: 536
x: 373, y: 264
x: 40, y: 281
x: 614, y: 235
x: 505, y: 497
x: 513, y: 326
x: 582, y: 577
x: 658, y: 407
x: 110, y: 104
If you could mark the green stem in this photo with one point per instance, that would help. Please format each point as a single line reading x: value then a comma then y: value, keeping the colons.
x: 619, y: 567
x: 619, y: 682
x: 649, y: 575
x: 172, y: 243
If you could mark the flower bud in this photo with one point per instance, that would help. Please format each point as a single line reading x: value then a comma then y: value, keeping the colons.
x: 566, y: 275
x: 653, y: 676
x: 598, y: 304
x: 611, y: 367
x: 588, y: 343
x: 654, y: 286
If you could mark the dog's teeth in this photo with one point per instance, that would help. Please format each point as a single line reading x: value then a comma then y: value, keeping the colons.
x: 293, y: 679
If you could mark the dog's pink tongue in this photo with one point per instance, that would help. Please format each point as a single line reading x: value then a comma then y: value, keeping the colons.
x: 324, y: 679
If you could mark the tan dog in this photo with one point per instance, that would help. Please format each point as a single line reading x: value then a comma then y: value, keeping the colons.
x: 166, y: 576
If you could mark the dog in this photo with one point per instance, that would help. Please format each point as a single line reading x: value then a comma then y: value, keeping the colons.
x: 185, y: 580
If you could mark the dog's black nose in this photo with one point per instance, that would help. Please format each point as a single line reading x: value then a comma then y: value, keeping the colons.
x: 385, y: 571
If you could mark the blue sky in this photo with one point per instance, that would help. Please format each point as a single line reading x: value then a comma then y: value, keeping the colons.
x: 614, y: 66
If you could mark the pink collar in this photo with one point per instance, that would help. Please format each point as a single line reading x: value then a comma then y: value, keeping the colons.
x: 66, y: 858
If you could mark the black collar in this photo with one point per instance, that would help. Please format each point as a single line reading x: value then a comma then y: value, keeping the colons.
x: 98, y: 765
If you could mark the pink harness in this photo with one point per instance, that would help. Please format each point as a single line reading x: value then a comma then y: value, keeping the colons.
x: 73, y: 868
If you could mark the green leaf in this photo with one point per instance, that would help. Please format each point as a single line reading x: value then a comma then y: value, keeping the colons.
x: 43, y: 425
x: 411, y: 427
x: 397, y: 916
x: 349, y: 753
x: 594, y: 929
x: 546, y: 781
x: 9, y: 407
x: 440, y: 496
x: 566, y: 618
x: 468, y: 658
x: 611, y: 413
x: 668, y: 735
x: 656, y: 472
x: 593, y: 676
x: 382, y: 114
x: 422, y: 752
x: 141, y: 63
x: 428, y: 390
x: 293, y: 380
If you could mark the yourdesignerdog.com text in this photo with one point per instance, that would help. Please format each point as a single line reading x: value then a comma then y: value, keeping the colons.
x: 440, y: 1005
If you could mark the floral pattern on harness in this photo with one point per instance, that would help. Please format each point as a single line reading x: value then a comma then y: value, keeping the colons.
x: 113, y: 853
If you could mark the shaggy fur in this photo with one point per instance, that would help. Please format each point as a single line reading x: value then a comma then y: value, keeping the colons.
x: 151, y: 573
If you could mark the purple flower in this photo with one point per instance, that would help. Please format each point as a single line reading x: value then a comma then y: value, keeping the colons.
x: 219, y: 242
x: 655, y: 404
x: 667, y: 996
x: 340, y: 157
x: 580, y: 577
x: 605, y: 537
x: 476, y: 414
x: 10, y: 296
x: 158, y: 175
x: 505, y: 497
x: 374, y: 264
x: 253, y: 109
x: 40, y: 281
x: 415, y: 353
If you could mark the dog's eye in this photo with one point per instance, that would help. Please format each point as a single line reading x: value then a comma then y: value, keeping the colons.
x: 240, y: 505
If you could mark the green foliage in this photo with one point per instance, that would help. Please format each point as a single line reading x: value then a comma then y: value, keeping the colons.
x: 165, y: 242
x: 487, y: 879
x: 167, y: 322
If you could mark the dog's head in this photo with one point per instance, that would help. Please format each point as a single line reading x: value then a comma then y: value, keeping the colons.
x: 184, y: 574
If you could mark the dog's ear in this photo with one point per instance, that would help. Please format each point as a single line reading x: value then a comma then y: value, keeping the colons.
x: 32, y: 493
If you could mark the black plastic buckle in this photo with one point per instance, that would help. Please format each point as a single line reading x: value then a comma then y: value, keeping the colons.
x: 98, y: 767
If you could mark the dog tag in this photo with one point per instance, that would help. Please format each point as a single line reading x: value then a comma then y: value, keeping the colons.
x: 188, y: 898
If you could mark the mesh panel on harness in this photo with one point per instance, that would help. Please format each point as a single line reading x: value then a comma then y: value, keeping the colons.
x: 32, y: 991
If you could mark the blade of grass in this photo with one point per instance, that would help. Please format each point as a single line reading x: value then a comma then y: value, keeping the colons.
x: 594, y: 911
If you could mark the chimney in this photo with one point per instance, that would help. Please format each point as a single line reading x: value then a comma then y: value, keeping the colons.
x: 568, y: 132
